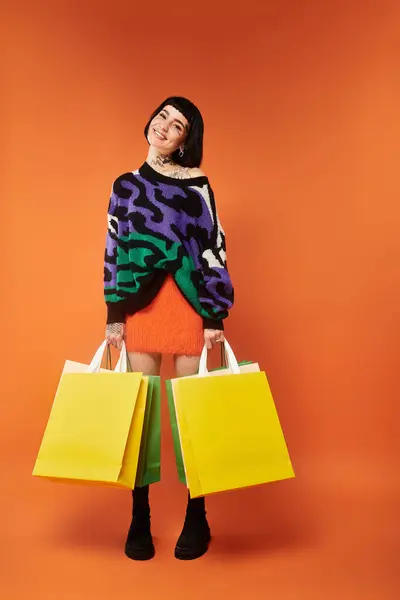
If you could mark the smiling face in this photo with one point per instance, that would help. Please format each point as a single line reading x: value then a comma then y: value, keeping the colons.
x: 168, y: 130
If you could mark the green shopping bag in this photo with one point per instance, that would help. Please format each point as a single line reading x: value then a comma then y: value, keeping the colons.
x: 175, y: 434
x: 174, y: 423
x: 149, y: 465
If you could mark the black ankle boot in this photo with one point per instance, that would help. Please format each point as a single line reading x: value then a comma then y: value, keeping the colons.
x: 195, y: 537
x: 139, y: 543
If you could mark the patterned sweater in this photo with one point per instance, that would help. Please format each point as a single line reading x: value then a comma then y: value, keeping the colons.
x: 159, y: 225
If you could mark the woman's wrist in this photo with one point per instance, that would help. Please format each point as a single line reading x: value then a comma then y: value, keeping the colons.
x: 217, y: 324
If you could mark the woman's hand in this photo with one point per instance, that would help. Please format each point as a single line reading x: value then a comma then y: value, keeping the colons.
x: 115, y: 334
x: 212, y: 337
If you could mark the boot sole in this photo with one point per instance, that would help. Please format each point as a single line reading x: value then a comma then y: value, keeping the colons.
x: 141, y: 555
x: 186, y: 554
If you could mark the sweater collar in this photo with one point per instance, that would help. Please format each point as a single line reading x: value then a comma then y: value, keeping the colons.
x: 151, y: 174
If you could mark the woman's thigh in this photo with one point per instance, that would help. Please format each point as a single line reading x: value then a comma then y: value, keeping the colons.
x: 186, y: 365
x: 148, y: 364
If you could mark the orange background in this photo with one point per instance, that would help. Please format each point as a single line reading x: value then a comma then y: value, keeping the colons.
x: 301, y: 104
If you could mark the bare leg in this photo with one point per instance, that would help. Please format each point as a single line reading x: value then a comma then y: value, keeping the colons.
x: 186, y: 365
x: 148, y: 364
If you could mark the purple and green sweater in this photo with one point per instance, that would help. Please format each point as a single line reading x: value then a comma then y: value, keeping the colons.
x: 159, y: 225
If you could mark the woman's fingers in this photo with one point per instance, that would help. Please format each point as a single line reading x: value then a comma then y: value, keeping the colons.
x: 116, y: 342
x: 212, y: 337
x: 113, y: 341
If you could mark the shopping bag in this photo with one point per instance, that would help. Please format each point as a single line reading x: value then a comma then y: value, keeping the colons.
x: 175, y: 433
x: 95, y: 426
x: 245, y: 367
x: 230, y: 433
x: 149, y: 466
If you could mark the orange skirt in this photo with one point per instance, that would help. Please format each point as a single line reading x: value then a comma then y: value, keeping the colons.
x: 169, y: 325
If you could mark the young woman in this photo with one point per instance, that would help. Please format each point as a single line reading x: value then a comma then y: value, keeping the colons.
x: 167, y: 286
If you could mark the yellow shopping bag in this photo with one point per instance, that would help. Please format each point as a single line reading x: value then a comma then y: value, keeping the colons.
x: 229, y: 429
x: 94, y: 430
x: 245, y: 367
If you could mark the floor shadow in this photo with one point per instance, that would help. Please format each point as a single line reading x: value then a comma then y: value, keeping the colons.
x: 96, y: 521
x: 256, y: 543
x: 262, y: 519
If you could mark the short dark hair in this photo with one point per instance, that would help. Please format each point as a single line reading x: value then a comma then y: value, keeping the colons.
x: 193, y: 154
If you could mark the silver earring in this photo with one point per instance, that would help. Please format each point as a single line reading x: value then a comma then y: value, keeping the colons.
x: 181, y: 152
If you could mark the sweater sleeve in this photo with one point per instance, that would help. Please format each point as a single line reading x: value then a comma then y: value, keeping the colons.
x: 114, y: 302
x: 217, y: 294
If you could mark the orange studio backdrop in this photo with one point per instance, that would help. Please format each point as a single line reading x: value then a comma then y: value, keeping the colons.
x: 301, y: 106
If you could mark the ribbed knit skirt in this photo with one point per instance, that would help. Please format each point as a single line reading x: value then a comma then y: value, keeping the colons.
x: 169, y: 325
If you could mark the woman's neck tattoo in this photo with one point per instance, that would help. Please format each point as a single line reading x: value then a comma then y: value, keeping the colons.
x: 165, y: 162
x: 162, y: 161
